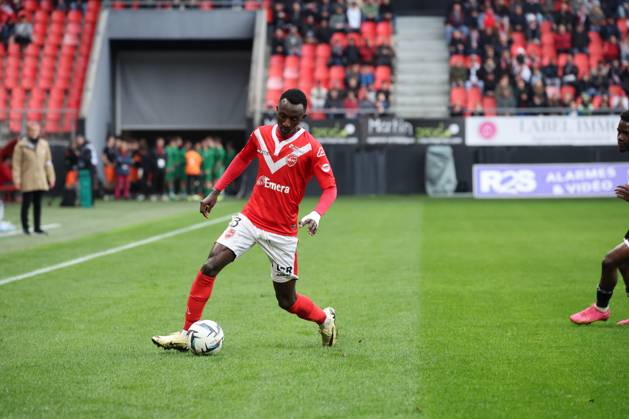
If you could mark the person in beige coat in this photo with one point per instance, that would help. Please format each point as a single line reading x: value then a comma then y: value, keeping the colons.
x: 33, y: 173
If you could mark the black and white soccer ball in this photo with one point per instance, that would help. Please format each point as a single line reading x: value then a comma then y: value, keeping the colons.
x: 205, y: 337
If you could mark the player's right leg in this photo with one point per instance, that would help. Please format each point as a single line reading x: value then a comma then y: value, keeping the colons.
x: 235, y: 241
x: 598, y: 311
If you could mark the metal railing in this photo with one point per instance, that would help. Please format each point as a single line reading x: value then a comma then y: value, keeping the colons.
x: 183, y: 4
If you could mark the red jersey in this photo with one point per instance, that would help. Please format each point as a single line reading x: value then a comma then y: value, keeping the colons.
x: 284, y: 169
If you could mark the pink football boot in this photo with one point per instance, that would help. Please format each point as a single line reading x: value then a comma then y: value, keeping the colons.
x: 623, y: 322
x: 590, y: 315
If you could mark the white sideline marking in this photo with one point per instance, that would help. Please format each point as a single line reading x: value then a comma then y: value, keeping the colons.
x: 113, y: 250
x: 19, y: 231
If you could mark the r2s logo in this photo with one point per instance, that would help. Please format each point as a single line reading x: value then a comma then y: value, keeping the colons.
x: 510, y: 182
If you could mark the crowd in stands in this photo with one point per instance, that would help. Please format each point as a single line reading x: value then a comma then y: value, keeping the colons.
x: 338, y: 52
x: 565, y: 56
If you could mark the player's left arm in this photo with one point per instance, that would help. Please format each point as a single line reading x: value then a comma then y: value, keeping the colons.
x: 325, y: 177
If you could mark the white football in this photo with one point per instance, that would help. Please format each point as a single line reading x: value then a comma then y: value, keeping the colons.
x: 205, y: 337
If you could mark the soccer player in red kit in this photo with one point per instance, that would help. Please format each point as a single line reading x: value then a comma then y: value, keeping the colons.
x: 288, y: 157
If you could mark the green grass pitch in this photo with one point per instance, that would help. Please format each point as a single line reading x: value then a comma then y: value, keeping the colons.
x: 446, y: 308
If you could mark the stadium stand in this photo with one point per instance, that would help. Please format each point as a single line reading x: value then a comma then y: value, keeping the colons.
x: 340, y: 55
x: 538, y: 57
x: 43, y: 73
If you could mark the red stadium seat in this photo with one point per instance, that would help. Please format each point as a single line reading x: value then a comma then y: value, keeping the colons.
x: 474, y: 97
x: 383, y: 73
x: 337, y: 72
x: 458, y: 96
x: 29, y: 5
x: 3, y: 104
x: 567, y: 90
x: 339, y: 37
x: 518, y: 39
x: 457, y: 59
x: 383, y: 29
x: 548, y: 40
x: 368, y: 30
x: 322, y: 74
x: 274, y: 83
x: 615, y: 90
x: 74, y: 16
x: 489, y: 105
x: 206, y: 5
x: 597, y: 101
x: 306, y: 63
x: 595, y: 40
x: 533, y: 50
x: 546, y: 26
x: 622, y: 26
x: 46, y: 5
x: 58, y: 17
x: 252, y: 5
x: 582, y: 61
x: 358, y: 40
x: 308, y: 50
x: 323, y: 51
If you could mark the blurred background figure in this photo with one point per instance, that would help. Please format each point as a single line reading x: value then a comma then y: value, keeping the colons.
x: 33, y: 174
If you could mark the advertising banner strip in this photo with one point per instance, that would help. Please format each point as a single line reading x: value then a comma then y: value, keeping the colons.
x: 541, y: 131
x: 571, y: 180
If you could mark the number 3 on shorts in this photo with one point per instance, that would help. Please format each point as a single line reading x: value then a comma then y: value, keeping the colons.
x: 235, y: 222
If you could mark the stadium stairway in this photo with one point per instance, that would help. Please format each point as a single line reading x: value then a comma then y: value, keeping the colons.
x: 421, y: 76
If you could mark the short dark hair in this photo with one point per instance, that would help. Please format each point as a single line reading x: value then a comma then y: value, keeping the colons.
x: 296, y: 97
x: 625, y: 116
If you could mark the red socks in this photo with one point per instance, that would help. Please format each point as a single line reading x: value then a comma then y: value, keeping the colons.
x: 199, y: 294
x: 307, y: 310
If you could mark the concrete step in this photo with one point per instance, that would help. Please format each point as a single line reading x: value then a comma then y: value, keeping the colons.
x: 425, y: 44
x: 424, y: 101
x: 422, y: 89
x: 427, y: 68
x: 420, y: 54
x: 417, y: 77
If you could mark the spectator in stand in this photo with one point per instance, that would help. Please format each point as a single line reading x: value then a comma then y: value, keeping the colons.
x: 472, y: 44
x: 455, y: 22
x: 354, y: 17
x: 309, y: 28
x: 295, y: 15
x: 521, y: 66
x: 334, y: 104
x: 580, y: 39
x: 61, y: 5
x: 311, y: 11
x: 338, y: 21
x: 367, y: 77
x: 532, y: 32
x: 457, y: 43
x: 318, y: 94
x: 193, y: 169
x: 109, y: 163
x: 123, y: 170
x: 324, y: 33
x: 502, y: 13
x: 522, y: 92
x: 505, y: 98
x: 534, y: 8
x: 386, y: 10
x: 539, y: 99
x: 564, y: 16
x: 352, y: 53
x: 353, y: 85
x: 609, y: 29
x: 367, y: 52
x: 385, y: 88
x: 605, y: 108
x: 488, y: 18
x: 370, y: 10
x: 385, y: 55
x: 563, y: 40
x: 611, y: 49
x: 504, y: 43
x: 366, y: 106
x: 458, y: 74
x: 473, y: 79
x: 278, y: 42
x: 550, y: 72
x: 615, y: 73
x: 293, y: 42
x: 382, y: 104
x: 350, y: 104
x: 70, y: 161
x: 337, y: 56
x: 584, y: 85
x: 488, y: 37
x: 277, y: 15
x: 599, y: 82
x: 325, y: 8
x: 471, y: 19
x: 23, y: 32
x: 570, y: 72
x: 517, y: 20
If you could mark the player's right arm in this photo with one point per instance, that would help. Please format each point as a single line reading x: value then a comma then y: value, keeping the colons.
x: 235, y: 169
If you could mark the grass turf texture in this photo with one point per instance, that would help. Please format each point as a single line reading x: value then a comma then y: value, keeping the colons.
x: 447, y: 308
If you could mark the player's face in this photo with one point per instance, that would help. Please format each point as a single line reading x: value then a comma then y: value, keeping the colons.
x: 623, y: 136
x: 289, y: 116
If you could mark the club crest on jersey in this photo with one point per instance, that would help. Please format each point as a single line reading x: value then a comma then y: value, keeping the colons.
x: 325, y: 168
x: 291, y: 160
x: 230, y: 233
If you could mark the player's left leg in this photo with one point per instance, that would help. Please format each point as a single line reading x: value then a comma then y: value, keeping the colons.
x: 624, y: 271
x: 282, y: 252
x: 600, y: 310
